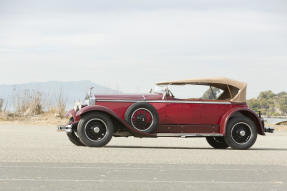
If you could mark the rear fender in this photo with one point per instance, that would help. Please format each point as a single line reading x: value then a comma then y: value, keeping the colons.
x: 97, y: 108
x: 241, y: 111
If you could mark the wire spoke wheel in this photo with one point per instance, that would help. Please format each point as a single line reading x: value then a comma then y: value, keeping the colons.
x: 96, y: 129
x: 241, y: 133
x: 142, y: 119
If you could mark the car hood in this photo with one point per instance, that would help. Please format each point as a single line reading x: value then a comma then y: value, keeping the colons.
x: 138, y: 97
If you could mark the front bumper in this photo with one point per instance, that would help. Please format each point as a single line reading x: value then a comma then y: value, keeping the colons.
x: 66, y: 128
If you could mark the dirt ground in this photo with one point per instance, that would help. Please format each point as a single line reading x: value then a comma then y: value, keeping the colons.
x: 46, y: 119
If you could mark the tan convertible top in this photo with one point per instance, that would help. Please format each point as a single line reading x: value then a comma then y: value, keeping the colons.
x: 234, y: 91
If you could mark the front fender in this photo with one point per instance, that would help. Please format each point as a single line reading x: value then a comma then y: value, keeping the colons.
x: 244, y: 111
x: 106, y: 110
x: 87, y: 109
x: 71, y: 113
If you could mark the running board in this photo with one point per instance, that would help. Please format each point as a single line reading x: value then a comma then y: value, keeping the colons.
x: 188, y: 135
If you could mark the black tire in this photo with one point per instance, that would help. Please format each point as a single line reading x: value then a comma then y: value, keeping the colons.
x: 74, y: 139
x: 146, y: 122
x: 95, y: 129
x: 72, y: 136
x: 241, y: 133
x: 217, y: 142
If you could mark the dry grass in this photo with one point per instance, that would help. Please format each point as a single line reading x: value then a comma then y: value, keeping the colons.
x: 32, y: 108
x: 1, y: 104
x: 29, y: 103
x: 42, y: 119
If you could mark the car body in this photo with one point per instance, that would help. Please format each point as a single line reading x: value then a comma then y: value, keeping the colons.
x: 225, y: 121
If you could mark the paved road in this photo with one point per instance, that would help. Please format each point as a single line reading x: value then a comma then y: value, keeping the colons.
x: 39, y: 158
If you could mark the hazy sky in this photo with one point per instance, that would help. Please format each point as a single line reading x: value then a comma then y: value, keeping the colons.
x: 130, y: 44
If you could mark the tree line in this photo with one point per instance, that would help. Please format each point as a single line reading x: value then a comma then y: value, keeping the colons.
x: 269, y: 103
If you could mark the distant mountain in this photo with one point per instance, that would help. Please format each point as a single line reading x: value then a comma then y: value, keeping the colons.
x: 71, y: 91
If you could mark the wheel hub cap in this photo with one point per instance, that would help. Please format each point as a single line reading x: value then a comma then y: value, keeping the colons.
x: 242, y: 133
x: 96, y: 129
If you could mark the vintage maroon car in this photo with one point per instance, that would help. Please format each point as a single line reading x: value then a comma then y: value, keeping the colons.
x: 220, y: 114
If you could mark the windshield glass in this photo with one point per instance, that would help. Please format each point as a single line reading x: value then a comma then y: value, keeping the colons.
x: 158, y: 89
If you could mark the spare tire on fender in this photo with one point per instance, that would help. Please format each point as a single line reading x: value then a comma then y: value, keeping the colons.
x: 143, y: 117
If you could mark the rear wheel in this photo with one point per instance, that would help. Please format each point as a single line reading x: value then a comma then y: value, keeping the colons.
x: 72, y: 136
x: 241, y: 133
x: 217, y: 142
x: 95, y: 129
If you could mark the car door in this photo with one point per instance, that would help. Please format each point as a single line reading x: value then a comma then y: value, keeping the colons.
x: 187, y: 116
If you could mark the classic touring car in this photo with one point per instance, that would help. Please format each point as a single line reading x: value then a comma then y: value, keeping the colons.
x: 220, y: 114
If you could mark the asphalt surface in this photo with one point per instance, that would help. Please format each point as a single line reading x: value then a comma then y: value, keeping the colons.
x: 40, y: 158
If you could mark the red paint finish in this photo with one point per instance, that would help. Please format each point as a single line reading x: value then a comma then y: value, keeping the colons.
x: 175, y: 116
x: 245, y: 111
x: 200, y: 128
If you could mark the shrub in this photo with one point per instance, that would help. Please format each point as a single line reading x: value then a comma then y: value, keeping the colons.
x: 30, y: 103
x: 61, y: 106
x: 1, y: 104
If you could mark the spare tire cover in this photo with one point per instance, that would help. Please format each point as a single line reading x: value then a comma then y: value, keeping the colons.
x: 143, y: 117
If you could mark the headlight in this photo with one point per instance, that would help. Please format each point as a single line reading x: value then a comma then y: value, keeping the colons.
x: 92, y: 101
x: 87, y: 102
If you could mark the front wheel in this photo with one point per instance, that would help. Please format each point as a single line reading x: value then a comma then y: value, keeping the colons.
x: 217, y: 142
x: 241, y: 133
x: 95, y: 129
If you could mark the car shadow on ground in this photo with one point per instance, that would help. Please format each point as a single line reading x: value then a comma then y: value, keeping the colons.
x: 153, y: 147
x: 190, y: 148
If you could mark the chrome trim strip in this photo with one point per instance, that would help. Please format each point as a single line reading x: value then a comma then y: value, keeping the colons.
x: 188, y: 135
x: 163, y: 101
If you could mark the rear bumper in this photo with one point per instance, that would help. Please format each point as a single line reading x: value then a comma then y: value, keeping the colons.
x: 66, y: 128
x: 269, y: 129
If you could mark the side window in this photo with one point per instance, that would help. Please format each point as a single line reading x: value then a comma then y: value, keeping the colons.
x: 195, y: 92
x: 212, y: 93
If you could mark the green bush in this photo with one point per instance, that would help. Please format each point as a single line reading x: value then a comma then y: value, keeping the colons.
x: 269, y: 103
